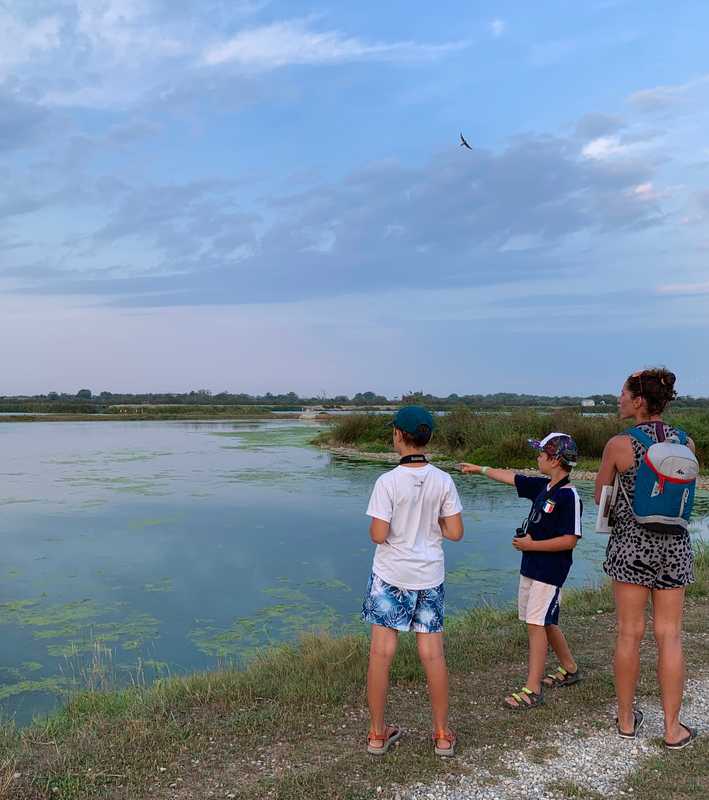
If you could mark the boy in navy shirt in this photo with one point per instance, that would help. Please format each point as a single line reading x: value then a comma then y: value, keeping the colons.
x: 546, y: 540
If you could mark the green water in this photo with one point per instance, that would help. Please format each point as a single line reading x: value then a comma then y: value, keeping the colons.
x: 138, y: 550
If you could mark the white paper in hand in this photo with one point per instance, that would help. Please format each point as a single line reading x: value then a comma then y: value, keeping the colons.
x: 604, y: 523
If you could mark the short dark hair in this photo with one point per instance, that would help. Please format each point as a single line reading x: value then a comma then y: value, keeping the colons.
x: 655, y: 386
x: 419, y: 439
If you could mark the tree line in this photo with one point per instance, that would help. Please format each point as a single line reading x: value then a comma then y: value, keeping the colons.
x: 84, y: 401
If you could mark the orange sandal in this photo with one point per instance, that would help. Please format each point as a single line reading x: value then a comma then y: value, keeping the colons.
x: 390, y: 735
x: 447, y: 736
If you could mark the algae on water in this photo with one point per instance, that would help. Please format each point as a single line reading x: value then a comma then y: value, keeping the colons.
x: 293, y: 614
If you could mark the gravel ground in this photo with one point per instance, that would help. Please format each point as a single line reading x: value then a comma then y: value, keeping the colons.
x: 600, y: 762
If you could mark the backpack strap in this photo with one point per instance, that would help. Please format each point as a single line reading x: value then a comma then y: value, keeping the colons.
x: 640, y: 436
x: 660, y: 430
x: 681, y: 436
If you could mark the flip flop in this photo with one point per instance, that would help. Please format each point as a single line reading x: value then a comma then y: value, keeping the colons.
x: 392, y: 734
x: 638, y: 719
x: 692, y: 734
x: 448, y: 736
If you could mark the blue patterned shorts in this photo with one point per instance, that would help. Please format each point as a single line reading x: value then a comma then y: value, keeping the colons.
x: 404, y: 609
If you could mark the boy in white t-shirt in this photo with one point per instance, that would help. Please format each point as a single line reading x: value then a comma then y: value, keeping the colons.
x: 413, y: 508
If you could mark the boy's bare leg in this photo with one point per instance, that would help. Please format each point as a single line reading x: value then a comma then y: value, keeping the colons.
x: 668, y: 607
x: 430, y: 648
x: 538, y: 646
x: 381, y: 653
x: 630, y: 605
x: 557, y: 640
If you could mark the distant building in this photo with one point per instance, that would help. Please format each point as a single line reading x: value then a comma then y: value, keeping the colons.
x: 588, y: 403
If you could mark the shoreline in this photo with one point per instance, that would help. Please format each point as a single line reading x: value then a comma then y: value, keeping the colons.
x: 444, y: 461
x: 145, y: 417
x: 291, y: 725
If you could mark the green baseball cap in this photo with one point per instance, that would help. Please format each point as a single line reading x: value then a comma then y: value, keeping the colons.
x: 411, y: 418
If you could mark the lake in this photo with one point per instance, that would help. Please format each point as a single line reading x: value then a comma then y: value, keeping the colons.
x: 138, y: 549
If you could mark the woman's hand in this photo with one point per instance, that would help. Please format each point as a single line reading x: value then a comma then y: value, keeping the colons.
x: 472, y: 469
x: 523, y: 543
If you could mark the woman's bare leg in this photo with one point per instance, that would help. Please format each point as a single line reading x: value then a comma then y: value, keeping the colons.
x: 668, y: 608
x: 630, y: 605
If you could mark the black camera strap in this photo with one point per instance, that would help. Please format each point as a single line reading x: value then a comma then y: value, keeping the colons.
x: 417, y: 458
x: 549, y: 492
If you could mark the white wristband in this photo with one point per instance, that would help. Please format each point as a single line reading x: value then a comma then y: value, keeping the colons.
x: 483, y: 470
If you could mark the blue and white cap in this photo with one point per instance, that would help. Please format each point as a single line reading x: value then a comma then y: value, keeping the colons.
x: 558, y: 445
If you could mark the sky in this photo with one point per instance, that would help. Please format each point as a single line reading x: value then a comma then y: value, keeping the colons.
x: 255, y: 195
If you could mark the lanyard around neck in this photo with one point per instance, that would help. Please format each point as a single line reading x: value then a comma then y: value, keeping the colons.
x: 417, y: 458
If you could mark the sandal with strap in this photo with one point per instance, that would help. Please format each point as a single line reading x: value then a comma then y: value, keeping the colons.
x: 447, y: 736
x: 525, y: 698
x: 562, y: 677
x: 391, y: 734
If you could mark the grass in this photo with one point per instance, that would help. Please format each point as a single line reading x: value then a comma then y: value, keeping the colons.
x: 290, y: 726
x: 501, y: 439
x: 685, y: 777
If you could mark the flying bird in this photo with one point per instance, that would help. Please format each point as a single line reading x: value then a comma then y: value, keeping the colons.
x: 463, y: 143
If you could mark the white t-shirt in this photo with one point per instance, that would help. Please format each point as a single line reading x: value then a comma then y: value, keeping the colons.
x: 411, y: 500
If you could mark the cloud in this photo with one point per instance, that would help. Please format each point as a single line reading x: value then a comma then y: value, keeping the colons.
x: 497, y: 27
x: 596, y: 125
x: 461, y: 220
x: 701, y: 288
x: 22, y: 41
x: 117, y: 54
x: 293, y: 42
x: 21, y: 122
x: 667, y: 98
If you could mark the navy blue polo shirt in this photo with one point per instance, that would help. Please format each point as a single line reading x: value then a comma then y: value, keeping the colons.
x: 555, y: 512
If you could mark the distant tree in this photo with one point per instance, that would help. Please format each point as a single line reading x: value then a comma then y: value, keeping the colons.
x: 52, y: 396
x: 84, y: 394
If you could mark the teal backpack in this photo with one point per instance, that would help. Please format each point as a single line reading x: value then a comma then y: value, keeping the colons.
x: 665, y: 483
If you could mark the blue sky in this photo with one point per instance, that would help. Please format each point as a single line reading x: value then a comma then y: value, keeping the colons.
x: 260, y: 195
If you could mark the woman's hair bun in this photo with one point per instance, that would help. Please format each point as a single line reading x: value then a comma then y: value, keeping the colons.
x: 655, y: 386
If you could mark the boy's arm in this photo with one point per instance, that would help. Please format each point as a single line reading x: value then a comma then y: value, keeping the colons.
x: 501, y: 475
x: 378, y: 530
x: 555, y: 545
x: 452, y: 527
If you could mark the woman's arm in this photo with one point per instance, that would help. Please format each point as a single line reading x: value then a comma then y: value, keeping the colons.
x: 617, y: 457
x: 502, y: 475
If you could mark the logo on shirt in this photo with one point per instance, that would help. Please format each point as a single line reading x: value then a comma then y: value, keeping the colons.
x: 549, y: 506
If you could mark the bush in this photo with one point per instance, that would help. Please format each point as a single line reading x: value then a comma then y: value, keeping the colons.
x: 500, y: 438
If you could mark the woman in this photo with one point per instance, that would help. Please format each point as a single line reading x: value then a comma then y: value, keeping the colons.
x: 644, y: 564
